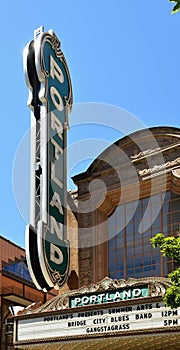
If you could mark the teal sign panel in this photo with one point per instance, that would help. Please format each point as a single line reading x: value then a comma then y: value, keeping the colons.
x: 50, y: 100
x: 109, y: 296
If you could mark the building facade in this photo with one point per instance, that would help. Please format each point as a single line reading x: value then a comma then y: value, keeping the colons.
x: 16, y: 288
x: 127, y: 195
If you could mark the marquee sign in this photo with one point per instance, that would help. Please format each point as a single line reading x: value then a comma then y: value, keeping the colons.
x: 116, y: 320
x: 50, y: 100
x: 107, y: 308
x: 119, y: 294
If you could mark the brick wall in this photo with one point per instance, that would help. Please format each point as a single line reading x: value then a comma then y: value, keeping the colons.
x: 9, y: 250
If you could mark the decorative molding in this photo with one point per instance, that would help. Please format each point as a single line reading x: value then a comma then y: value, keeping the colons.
x: 155, y: 151
x: 55, y: 43
x: 156, y: 288
x: 176, y: 173
x: 145, y: 153
x: 157, y: 168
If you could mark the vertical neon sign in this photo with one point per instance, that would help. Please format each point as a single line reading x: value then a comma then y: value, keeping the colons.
x: 50, y: 100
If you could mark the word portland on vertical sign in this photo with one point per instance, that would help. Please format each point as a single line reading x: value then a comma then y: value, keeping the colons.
x: 50, y: 100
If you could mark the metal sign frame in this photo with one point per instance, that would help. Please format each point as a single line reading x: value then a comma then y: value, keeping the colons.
x: 50, y: 100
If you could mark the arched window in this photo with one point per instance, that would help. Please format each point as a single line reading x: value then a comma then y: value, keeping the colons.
x: 130, y: 228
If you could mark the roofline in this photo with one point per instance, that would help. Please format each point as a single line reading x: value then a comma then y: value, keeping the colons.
x: 8, y: 240
x: 124, y: 139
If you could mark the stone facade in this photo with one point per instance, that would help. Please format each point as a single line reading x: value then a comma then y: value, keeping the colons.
x: 137, y: 166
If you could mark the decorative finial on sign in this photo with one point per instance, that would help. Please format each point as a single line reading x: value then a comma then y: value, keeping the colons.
x: 38, y: 32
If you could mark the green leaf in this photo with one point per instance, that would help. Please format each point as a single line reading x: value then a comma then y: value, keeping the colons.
x: 176, y: 8
x: 175, y: 277
x: 172, y: 297
x: 170, y: 247
x: 157, y: 240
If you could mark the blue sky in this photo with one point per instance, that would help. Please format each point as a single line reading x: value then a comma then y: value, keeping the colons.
x: 120, y: 53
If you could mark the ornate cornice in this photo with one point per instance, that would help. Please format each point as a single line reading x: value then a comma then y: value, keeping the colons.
x: 154, y: 151
x: 156, y: 146
x: 158, y: 168
x: 146, y: 153
x: 156, y: 288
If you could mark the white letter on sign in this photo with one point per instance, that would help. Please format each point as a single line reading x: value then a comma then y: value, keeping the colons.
x: 58, y: 148
x: 56, y: 125
x: 58, y: 259
x: 53, y: 176
x: 137, y: 293
x: 55, y: 70
x: 55, y: 202
x: 57, y: 101
x: 77, y: 301
x: 56, y: 227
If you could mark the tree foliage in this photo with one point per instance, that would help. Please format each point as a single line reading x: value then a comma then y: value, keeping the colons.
x: 170, y: 247
x: 176, y: 8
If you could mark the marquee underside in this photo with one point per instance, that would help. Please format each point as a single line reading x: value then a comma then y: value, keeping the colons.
x: 167, y: 341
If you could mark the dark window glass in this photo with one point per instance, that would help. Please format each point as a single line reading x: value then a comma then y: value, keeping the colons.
x: 139, y: 272
x: 130, y: 273
x: 130, y: 263
x: 132, y: 226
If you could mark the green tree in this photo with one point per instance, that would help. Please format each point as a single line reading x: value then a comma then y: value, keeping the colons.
x: 176, y: 8
x: 170, y: 247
